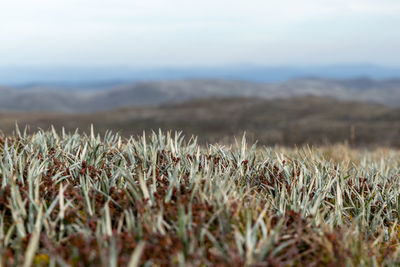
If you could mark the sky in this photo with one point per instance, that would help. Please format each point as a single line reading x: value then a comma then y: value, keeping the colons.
x: 199, y: 33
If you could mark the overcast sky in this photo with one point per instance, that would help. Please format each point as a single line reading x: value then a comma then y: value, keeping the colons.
x: 194, y: 32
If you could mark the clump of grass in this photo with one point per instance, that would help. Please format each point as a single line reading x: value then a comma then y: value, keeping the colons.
x: 78, y: 200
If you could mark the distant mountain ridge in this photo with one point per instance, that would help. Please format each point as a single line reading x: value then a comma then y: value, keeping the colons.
x: 386, y: 92
x: 88, y: 76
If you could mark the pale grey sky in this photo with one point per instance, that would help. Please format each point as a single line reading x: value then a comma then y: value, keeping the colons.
x: 193, y: 32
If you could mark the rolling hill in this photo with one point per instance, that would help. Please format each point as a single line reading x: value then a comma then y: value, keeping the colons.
x: 385, y: 92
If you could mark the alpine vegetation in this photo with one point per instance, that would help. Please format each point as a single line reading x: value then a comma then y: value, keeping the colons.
x: 70, y: 199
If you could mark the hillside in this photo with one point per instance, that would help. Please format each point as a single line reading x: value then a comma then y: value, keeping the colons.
x: 71, y: 100
x: 301, y: 120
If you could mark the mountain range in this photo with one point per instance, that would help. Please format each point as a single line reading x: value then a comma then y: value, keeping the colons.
x: 89, y: 76
x: 154, y: 93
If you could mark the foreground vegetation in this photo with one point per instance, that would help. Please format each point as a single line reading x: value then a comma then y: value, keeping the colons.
x: 78, y: 200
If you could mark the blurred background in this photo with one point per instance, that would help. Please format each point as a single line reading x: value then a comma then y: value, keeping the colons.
x: 285, y: 72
